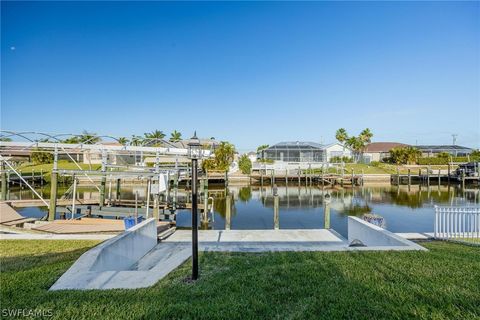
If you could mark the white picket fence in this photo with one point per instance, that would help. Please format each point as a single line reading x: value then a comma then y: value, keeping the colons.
x: 457, y: 223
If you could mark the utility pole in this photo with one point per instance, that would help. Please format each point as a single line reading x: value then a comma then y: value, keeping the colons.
x: 454, y: 138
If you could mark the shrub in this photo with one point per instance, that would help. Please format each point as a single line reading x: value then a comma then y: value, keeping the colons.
x: 269, y: 161
x: 224, y: 154
x: 245, y: 164
x: 443, y: 155
x: 338, y: 159
x: 404, y: 155
x: 375, y: 163
x: 41, y: 157
x: 444, y: 161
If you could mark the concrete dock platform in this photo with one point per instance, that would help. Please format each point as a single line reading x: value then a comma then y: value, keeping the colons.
x: 134, y: 259
x: 272, y: 236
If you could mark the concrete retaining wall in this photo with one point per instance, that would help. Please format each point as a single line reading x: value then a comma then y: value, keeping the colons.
x: 110, y: 259
x: 374, y: 236
x: 121, y: 252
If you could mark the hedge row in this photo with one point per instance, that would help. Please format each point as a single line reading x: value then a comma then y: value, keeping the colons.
x: 439, y: 161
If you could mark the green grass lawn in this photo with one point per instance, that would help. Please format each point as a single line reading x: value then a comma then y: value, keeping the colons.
x: 382, y: 168
x: 47, y: 168
x: 443, y: 283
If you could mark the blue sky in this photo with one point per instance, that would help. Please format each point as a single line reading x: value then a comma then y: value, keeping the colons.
x: 247, y: 72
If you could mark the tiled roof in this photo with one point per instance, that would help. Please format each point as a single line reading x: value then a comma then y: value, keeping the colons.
x: 383, y: 146
x: 441, y: 147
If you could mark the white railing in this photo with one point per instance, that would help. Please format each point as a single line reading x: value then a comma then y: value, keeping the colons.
x: 457, y: 223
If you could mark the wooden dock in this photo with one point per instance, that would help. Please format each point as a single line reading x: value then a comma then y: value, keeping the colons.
x: 39, y: 203
x: 90, y: 225
x: 308, y: 179
x: 431, y: 178
x: 10, y: 217
x: 80, y: 202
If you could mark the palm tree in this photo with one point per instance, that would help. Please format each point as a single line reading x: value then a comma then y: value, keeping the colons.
x: 224, y: 154
x: 356, y: 144
x: 175, y: 136
x: 73, y: 140
x: 341, y: 135
x: 89, y: 138
x: 413, y: 154
x: 155, y: 136
x: 136, y: 140
x: 85, y: 138
x: 123, y: 140
x: 366, y: 135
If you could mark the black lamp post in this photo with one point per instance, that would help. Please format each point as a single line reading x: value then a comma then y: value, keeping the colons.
x: 194, y: 153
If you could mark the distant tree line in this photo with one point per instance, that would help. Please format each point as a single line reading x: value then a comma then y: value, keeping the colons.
x: 154, y: 138
x: 411, y: 155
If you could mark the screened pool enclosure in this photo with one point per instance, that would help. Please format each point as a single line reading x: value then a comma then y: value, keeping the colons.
x: 294, y: 152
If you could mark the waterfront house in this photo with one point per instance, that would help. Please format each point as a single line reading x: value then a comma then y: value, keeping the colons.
x: 377, y: 151
x: 304, y: 151
x: 453, y: 150
x: 336, y: 150
x: 119, y: 158
x: 252, y: 156
x: 294, y: 151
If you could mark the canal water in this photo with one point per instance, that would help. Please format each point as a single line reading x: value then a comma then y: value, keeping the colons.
x: 403, y: 208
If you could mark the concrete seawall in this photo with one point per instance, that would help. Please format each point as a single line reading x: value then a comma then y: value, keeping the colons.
x: 378, y: 238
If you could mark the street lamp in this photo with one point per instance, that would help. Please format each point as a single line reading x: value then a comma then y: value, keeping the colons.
x: 194, y: 153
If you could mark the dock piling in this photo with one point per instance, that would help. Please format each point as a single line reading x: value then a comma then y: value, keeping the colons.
x: 299, y: 172
x: 74, y: 196
x: 110, y: 191
x: 326, y: 215
x: 276, y: 217
x: 53, y: 187
x: 228, y: 211
x: 4, y: 182
x: 428, y: 176
x: 104, y: 179
x: 117, y: 196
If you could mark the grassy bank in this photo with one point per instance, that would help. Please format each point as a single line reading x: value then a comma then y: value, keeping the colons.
x: 381, y: 168
x: 440, y: 284
x: 47, y: 168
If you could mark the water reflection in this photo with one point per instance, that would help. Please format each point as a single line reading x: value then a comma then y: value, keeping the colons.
x: 405, y: 209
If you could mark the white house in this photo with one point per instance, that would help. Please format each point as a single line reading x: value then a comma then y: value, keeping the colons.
x: 336, y: 150
x: 252, y: 156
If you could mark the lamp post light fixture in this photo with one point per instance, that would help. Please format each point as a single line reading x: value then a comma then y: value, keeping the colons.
x: 194, y: 154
